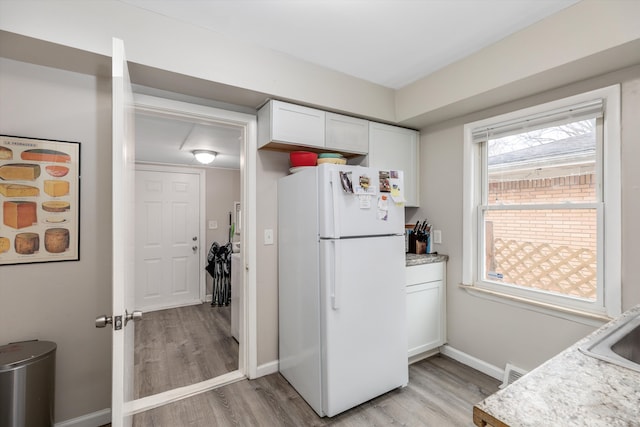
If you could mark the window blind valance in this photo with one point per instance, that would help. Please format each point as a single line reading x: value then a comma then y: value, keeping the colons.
x: 583, y: 111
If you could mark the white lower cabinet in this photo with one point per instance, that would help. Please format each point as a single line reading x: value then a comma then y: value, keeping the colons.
x: 425, y: 307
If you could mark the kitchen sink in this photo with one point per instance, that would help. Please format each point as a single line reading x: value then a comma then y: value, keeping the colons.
x: 620, y: 345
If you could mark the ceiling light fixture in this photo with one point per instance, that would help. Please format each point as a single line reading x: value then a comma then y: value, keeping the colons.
x: 204, y: 156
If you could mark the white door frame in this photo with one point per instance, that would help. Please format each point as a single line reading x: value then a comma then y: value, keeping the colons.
x: 247, y: 364
x: 202, y: 214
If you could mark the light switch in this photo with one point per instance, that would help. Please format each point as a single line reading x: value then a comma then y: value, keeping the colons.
x: 213, y: 224
x: 268, y: 236
x: 437, y: 236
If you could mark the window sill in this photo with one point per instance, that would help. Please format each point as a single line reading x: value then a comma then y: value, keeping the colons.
x: 579, y: 316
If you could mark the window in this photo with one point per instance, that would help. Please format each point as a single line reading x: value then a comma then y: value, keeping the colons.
x: 542, y: 204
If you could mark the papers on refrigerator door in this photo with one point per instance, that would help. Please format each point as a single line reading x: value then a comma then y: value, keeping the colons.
x: 390, y: 187
x: 365, y: 186
x: 396, y: 185
x: 364, y: 189
x: 346, y: 181
x: 383, y: 207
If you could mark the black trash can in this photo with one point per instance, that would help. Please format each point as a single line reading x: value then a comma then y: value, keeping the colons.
x: 27, y: 384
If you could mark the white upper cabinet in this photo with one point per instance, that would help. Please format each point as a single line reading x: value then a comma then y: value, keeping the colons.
x: 288, y: 127
x: 396, y: 148
x: 284, y: 123
x: 346, y: 134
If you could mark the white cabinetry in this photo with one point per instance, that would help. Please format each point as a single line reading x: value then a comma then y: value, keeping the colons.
x: 346, y: 134
x: 425, y: 307
x: 288, y: 127
x: 392, y: 147
x: 290, y: 124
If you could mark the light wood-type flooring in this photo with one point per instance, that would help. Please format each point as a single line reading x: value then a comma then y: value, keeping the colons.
x: 182, y: 346
x: 188, y: 344
x: 441, y: 393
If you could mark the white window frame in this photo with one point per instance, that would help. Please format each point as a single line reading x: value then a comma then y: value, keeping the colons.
x: 609, y: 302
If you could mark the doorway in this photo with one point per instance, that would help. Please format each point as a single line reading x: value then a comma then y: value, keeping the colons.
x: 245, y: 360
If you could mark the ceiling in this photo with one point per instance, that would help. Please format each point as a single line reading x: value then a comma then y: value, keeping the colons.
x: 389, y: 42
x: 172, y: 141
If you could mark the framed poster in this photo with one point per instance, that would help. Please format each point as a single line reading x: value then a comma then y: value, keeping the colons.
x: 39, y: 200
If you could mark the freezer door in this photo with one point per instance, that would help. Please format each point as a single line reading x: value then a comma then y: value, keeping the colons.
x: 363, y: 317
x: 346, y: 211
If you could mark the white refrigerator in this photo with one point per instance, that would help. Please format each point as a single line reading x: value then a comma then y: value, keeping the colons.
x: 342, y: 300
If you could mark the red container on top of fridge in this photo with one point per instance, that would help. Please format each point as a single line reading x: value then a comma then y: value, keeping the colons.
x: 303, y: 158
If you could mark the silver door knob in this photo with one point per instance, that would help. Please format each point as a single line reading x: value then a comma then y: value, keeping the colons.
x: 135, y: 316
x: 103, y: 321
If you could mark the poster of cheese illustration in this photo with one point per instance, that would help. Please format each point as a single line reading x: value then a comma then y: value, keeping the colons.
x: 39, y: 200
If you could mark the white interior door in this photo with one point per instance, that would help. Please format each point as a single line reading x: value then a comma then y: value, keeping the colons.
x: 123, y: 157
x: 167, y: 239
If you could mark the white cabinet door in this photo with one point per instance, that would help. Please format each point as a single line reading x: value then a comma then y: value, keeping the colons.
x: 346, y: 134
x: 423, y: 317
x: 396, y: 148
x: 281, y: 122
x: 425, y: 307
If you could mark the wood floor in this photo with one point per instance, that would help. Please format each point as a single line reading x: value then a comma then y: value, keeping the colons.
x: 441, y: 393
x: 189, y: 344
x: 182, y: 346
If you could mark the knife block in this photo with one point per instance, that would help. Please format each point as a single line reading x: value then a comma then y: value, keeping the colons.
x: 416, y: 246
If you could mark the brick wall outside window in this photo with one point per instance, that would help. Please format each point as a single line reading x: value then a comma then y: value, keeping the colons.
x: 576, y: 228
x: 553, y: 250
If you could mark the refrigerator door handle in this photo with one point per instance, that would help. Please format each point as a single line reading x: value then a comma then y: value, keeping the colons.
x: 336, y: 187
x: 337, y: 267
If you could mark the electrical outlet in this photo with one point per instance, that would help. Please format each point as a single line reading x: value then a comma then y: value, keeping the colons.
x: 268, y: 236
x: 213, y: 224
x: 437, y: 236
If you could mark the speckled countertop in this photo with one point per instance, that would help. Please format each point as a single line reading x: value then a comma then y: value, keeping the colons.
x: 571, y: 389
x: 415, y: 259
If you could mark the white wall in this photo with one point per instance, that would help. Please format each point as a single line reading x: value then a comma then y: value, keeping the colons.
x: 60, y: 301
x: 581, y: 41
x: 495, y: 332
x: 584, y: 40
x: 160, y: 43
x: 271, y: 166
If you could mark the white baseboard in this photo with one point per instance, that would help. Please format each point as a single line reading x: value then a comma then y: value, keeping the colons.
x: 93, y: 419
x: 474, y: 362
x: 421, y: 356
x: 267, y: 369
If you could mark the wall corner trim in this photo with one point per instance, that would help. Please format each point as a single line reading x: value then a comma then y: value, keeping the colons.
x: 267, y: 369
